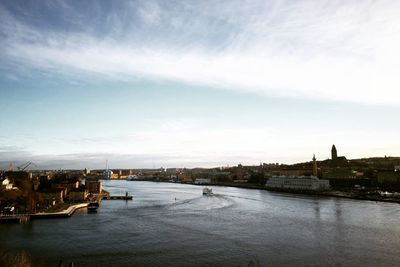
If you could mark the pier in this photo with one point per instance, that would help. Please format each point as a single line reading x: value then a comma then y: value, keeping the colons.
x: 18, y: 218
x: 123, y: 197
x: 65, y: 213
x: 118, y: 198
x: 25, y: 218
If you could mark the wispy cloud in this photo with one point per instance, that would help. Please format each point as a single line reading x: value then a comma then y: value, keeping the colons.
x: 341, y: 51
x: 150, y: 12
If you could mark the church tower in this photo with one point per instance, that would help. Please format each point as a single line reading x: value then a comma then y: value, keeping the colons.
x: 314, y: 171
x: 334, y: 153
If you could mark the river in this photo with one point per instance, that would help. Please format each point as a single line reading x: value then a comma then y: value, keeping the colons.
x: 170, y: 224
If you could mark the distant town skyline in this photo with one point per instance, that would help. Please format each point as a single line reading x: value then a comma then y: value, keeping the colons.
x: 145, y: 84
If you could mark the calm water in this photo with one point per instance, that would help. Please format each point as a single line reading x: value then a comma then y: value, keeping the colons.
x: 229, y: 229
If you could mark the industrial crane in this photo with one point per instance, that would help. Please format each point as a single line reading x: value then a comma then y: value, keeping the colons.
x: 26, y: 165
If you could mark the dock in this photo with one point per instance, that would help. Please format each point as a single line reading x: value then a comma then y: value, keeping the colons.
x: 65, y: 213
x: 18, y: 218
x: 123, y: 197
x: 117, y: 198
x: 25, y: 218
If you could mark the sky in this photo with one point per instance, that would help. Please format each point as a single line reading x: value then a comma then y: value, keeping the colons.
x: 149, y: 84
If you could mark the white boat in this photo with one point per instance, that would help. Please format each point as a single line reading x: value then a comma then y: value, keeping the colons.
x: 132, y: 177
x: 207, y: 191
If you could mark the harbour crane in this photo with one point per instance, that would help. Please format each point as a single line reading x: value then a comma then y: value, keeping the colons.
x: 26, y: 165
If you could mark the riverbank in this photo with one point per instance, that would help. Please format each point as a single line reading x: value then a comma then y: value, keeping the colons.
x: 64, y: 213
x: 350, y: 194
x: 25, y: 218
x: 359, y: 196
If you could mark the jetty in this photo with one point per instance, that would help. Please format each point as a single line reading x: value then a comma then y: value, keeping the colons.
x: 123, y: 197
x: 118, y: 198
x: 25, y: 218
x: 65, y: 213
x: 17, y: 218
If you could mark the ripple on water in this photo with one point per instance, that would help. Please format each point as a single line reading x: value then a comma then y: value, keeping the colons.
x: 228, y: 229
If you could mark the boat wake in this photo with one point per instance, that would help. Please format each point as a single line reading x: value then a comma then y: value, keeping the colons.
x: 203, y: 203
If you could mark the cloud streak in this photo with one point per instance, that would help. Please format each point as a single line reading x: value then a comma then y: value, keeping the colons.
x: 341, y: 51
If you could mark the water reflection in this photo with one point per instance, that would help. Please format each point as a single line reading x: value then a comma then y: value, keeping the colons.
x: 316, y: 210
x: 230, y: 228
x: 338, y: 210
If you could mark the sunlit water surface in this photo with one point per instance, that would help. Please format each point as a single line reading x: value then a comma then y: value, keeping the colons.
x: 174, y: 225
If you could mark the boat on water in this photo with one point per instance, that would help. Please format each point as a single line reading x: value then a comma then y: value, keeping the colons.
x: 93, y: 206
x: 207, y: 191
x: 132, y: 178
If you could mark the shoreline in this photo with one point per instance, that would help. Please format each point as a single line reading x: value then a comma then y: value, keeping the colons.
x: 331, y: 193
x: 26, y: 218
x: 68, y: 212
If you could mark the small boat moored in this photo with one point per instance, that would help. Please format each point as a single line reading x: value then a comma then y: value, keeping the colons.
x: 207, y: 191
x: 132, y: 178
x: 93, y: 206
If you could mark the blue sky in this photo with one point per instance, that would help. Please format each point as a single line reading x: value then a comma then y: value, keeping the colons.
x: 197, y: 83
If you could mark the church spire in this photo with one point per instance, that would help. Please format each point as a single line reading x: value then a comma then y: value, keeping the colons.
x: 334, y: 153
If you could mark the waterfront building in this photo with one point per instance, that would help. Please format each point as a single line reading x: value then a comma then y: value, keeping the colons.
x: 115, y: 175
x: 6, y: 184
x: 124, y: 174
x: 202, y: 181
x: 78, y: 194
x: 18, y: 175
x: 339, y: 173
x: 69, y: 184
x: 51, y: 195
x: 298, y: 183
x: 292, y: 172
x: 93, y: 186
x: 185, y: 178
x: 388, y: 177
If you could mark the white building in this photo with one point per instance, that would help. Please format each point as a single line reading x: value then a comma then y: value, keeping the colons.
x: 202, y: 181
x: 306, y: 183
x: 132, y: 177
x: 6, y: 184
